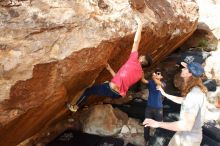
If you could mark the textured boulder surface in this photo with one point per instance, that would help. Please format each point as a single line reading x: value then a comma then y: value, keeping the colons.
x: 210, y: 23
x: 207, y: 36
x: 103, y: 120
x: 51, y: 50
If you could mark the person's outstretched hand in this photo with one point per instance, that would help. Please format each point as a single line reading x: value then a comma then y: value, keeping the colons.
x: 150, y: 123
x: 160, y: 89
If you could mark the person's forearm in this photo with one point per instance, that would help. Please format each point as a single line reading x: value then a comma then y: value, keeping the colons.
x: 143, y: 80
x: 112, y: 72
x: 175, y: 99
x: 174, y: 126
x: 137, y: 37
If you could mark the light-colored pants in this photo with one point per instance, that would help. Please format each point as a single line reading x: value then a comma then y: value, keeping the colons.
x: 177, y: 141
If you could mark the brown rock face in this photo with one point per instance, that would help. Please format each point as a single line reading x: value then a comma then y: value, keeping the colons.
x: 51, y: 50
x: 137, y: 4
x: 103, y: 120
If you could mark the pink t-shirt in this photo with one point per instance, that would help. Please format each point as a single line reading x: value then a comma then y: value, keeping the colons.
x: 128, y: 74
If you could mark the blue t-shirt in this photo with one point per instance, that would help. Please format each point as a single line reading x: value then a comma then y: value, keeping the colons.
x: 155, y: 96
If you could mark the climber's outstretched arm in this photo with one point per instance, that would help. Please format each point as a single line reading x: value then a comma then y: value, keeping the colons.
x: 143, y: 80
x: 137, y: 37
x: 112, y: 72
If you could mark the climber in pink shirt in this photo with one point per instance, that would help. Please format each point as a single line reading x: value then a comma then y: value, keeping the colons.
x: 130, y: 73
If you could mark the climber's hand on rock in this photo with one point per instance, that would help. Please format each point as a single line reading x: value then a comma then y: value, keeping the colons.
x: 137, y: 18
